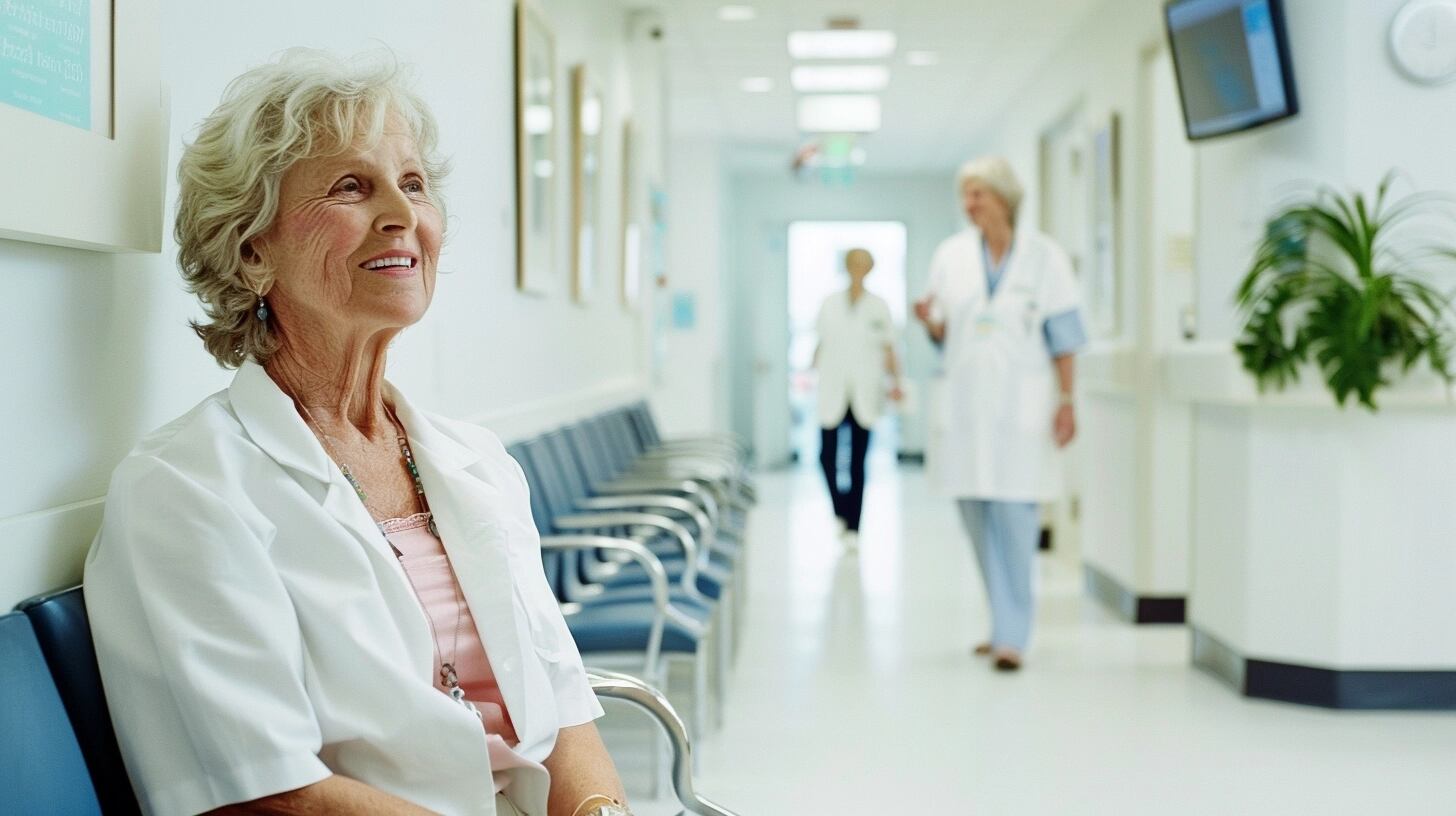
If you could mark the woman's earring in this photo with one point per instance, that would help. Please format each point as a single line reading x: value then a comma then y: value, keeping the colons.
x: 262, y: 309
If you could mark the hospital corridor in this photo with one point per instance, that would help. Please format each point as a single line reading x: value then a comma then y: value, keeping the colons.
x: 706, y: 408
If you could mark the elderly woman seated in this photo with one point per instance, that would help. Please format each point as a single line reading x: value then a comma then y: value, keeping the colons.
x: 308, y: 595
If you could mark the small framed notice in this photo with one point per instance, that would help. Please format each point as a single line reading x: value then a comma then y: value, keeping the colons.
x: 83, y: 123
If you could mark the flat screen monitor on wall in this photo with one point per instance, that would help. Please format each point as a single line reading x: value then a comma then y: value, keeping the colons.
x: 1232, y: 59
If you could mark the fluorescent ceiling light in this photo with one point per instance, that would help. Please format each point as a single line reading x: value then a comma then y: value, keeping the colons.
x: 839, y: 113
x: 848, y: 44
x: 755, y: 84
x: 921, y: 59
x: 736, y: 14
x: 839, y: 78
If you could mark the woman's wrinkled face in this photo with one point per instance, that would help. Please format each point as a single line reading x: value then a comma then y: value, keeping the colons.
x: 354, y: 246
x: 983, y: 205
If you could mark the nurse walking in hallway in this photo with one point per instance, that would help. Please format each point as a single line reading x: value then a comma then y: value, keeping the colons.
x: 1002, y: 305
x: 856, y: 350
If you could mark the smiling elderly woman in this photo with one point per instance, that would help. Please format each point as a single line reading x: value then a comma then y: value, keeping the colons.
x: 308, y: 595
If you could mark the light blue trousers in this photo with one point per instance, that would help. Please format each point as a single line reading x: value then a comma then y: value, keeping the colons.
x: 1004, y: 536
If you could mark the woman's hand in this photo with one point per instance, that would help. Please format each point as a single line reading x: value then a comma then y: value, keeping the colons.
x: 1064, y: 427
x: 922, y: 309
x: 922, y: 313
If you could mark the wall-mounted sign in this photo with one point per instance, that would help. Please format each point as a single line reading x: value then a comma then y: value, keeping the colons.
x: 55, y: 60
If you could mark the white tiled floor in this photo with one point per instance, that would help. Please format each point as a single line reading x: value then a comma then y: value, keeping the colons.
x: 855, y: 693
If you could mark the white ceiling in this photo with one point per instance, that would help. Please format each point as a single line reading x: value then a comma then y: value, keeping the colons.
x: 989, y: 50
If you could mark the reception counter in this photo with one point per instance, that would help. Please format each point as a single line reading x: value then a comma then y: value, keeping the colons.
x: 1323, y: 540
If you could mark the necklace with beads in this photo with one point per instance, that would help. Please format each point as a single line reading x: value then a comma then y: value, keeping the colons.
x: 405, y: 454
x: 448, y: 676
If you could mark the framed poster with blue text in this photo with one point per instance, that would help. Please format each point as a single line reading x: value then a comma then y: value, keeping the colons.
x: 84, y: 123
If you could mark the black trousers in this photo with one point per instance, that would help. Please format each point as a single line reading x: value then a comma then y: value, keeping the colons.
x: 847, y: 503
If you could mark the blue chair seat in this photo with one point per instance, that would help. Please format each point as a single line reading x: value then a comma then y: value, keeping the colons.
x: 711, y: 579
x: 624, y: 628
x: 642, y: 593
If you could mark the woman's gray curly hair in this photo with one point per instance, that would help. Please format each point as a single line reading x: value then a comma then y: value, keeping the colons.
x: 306, y: 104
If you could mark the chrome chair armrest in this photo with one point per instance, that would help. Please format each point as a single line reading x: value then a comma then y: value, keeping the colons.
x: 616, y: 686
x: 689, y: 488
x: 656, y: 575
x: 657, y: 501
x: 581, y: 522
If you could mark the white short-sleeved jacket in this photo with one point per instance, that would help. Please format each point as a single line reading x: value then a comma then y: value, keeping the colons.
x: 995, y: 421
x: 255, y: 632
x: 852, y: 342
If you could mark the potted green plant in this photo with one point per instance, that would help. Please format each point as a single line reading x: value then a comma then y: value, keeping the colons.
x: 1344, y: 281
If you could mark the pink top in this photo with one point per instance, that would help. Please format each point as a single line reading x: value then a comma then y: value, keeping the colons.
x: 422, y: 555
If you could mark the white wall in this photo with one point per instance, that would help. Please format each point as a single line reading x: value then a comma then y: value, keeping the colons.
x: 96, y: 346
x: 689, y: 387
x: 762, y: 206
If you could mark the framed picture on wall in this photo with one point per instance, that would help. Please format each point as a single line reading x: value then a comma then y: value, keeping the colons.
x: 631, y: 227
x: 1103, y: 289
x: 85, y: 123
x: 586, y: 181
x: 536, y: 133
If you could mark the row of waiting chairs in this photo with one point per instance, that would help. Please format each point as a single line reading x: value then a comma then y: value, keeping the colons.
x: 59, y: 755
x: 644, y: 542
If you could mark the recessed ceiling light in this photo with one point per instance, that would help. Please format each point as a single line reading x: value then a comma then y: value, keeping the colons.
x: 839, y: 78
x: 736, y: 14
x: 856, y: 44
x: 755, y: 84
x: 839, y: 113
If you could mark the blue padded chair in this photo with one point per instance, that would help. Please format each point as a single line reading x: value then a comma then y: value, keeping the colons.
x: 41, y: 767
x: 607, y: 629
x: 721, y: 475
x: 599, y: 463
x: 712, y: 566
x: 602, y: 437
x: 702, y: 579
x: 673, y: 526
x: 64, y: 632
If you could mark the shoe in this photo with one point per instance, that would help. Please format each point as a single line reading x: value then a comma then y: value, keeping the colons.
x: 981, y: 649
x: 850, y: 539
x: 1008, y: 662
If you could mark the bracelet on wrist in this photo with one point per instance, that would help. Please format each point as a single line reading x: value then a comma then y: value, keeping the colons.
x: 599, y: 804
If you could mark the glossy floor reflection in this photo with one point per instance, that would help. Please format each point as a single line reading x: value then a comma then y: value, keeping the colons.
x: 855, y: 693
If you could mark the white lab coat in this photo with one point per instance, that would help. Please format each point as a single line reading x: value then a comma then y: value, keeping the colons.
x: 852, y: 342
x: 256, y: 633
x: 995, y: 418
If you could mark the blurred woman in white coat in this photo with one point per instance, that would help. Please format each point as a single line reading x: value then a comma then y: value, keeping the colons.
x: 1002, y: 305
x: 856, y: 350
